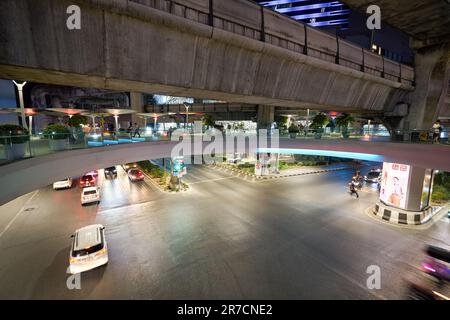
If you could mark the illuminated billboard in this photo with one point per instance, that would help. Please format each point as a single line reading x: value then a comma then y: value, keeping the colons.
x: 394, y: 184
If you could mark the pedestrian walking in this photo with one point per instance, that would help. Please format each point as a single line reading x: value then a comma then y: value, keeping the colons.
x: 437, y: 128
x: 130, y: 128
x: 136, y: 130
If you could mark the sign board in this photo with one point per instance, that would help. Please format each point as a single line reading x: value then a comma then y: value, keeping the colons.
x: 179, y: 167
x: 394, y: 184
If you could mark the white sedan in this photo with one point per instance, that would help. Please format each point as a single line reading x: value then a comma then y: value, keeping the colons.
x: 90, y: 194
x: 63, y: 184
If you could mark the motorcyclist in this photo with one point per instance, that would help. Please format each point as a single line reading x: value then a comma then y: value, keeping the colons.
x: 352, y: 189
x: 357, y: 180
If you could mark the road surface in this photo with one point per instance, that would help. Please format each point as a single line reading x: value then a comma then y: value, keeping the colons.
x: 293, y: 238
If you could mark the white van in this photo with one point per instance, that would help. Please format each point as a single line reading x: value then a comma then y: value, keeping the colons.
x: 89, y: 249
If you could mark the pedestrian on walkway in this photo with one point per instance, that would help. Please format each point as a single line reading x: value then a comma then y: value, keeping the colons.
x: 130, y: 129
x: 353, y: 189
x: 437, y: 128
x: 136, y: 130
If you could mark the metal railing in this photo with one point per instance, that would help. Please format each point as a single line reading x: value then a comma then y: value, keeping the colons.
x: 204, y: 12
x: 17, y: 147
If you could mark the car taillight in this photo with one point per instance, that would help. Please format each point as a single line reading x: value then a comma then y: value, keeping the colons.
x: 103, y: 251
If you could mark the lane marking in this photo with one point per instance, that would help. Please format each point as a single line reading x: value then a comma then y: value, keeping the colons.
x: 211, y: 180
x: 130, y: 206
x: 18, y: 213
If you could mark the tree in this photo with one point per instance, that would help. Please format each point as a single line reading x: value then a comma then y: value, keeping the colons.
x: 281, y: 121
x: 343, y: 121
x: 208, y: 120
x: 319, y: 121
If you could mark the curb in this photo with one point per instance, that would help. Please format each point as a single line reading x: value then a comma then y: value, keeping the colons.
x: 402, y: 217
x: 255, y: 177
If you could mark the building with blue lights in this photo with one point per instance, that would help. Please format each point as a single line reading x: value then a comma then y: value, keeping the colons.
x: 335, y: 16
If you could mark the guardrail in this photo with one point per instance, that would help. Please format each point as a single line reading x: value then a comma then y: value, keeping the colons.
x: 17, y: 147
x: 253, y: 21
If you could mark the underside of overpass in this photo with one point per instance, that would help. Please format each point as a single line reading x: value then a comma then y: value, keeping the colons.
x: 144, y: 49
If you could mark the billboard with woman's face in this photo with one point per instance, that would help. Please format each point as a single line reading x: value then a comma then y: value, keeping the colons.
x: 394, y: 184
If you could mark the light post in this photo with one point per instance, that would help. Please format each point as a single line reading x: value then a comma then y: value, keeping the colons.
x: 307, y: 122
x: 22, y: 110
x: 116, y: 120
x: 187, y: 114
x: 368, y: 128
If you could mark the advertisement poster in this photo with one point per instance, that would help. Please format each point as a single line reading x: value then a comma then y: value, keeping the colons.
x: 394, y: 184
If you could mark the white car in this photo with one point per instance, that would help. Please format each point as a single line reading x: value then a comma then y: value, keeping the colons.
x: 89, y: 249
x: 90, y: 194
x: 62, y: 184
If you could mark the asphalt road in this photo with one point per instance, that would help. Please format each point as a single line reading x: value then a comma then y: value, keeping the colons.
x: 292, y: 238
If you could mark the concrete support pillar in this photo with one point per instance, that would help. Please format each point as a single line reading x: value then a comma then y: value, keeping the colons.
x: 405, y: 193
x: 432, y: 67
x: 137, y: 104
x: 265, y: 117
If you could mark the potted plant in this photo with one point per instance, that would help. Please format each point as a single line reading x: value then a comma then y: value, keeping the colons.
x: 75, y: 122
x: 57, y: 135
x: 342, y: 122
x: 293, y: 130
x: 15, y: 139
x: 318, y: 122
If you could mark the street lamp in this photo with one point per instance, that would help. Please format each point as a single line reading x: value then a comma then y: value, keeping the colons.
x: 22, y: 110
x: 186, y: 105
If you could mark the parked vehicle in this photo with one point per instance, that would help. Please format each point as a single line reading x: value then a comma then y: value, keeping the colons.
x: 62, y: 184
x: 110, y: 172
x: 89, y: 249
x: 90, y: 195
x: 135, y: 175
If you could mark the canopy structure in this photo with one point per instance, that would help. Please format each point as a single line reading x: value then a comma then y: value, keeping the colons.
x: 67, y: 111
x: 94, y: 115
x: 116, y: 113
x: 154, y: 116
x: 29, y: 112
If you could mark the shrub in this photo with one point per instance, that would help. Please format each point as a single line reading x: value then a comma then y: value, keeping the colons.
x: 56, y: 132
x: 13, y: 133
x: 294, y: 128
x: 77, y: 120
x: 440, y: 193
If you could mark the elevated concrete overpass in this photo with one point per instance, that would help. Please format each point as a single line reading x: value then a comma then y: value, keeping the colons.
x: 234, y: 51
x: 27, y: 175
x: 427, y: 22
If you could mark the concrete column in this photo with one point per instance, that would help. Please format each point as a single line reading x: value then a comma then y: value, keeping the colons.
x: 137, y: 104
x: 265, y: 116
x: 432, y: 66
x: 403, y: 186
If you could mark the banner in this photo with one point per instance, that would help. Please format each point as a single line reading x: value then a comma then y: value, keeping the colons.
x: 394, y: 184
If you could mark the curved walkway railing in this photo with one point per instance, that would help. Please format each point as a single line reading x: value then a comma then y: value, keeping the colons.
x: 253, y: 21
x: 18, y: 147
